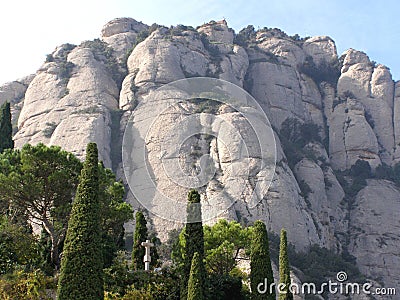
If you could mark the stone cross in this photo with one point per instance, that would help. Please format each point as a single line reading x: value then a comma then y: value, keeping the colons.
x: 147, y: 258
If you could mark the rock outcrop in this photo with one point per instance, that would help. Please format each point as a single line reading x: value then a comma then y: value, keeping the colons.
x: 78, y: 96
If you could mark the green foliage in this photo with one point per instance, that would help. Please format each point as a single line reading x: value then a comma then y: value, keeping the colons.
x: 305, y: 191
x: 386, y: 172
x: 245, y: 36
x: 115, y: 213
x: 170, y: 248
x: 120, y: 283
x: 294, y: 135
x: 226, y: 287
x: 44, y: 245
x: 65, y: 70
x: 211, y: 47
x: 204, y: 105
x: 284, y: 268
x: 26, y: 286
x: 48, y: 131
x: 117, y: 277
x: 361, y: 169
x: 81, y: 275
x: 196, y: 279
x: 354, y: 180
x: 44, y: 179
x: 6, y: 141
x: 260, y: 262
x: 223, y: 242
x: 17, y: 247
x: 323, y: 72
x: 41, y: 181
x: 317, y: 264
x: 193, y: 239
x: 141, y: 235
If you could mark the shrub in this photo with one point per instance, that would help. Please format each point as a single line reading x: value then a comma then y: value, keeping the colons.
x: 294, y: 135
x: 323, y: 72
x: 26, y: 286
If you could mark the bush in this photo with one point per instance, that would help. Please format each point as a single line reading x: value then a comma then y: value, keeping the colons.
x: 245, y: 36
x: 225, y: 287
x: 294, y: 135
x: 211, y: 48
x: 26, y: 286
x: 323, y: 72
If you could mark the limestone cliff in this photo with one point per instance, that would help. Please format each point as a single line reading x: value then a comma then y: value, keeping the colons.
x: 88, y: 92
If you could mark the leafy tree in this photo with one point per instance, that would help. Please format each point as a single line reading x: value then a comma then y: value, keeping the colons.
x: 223, y: 242
x: 284, y: 268
x: 195, y: 283
x: 41, y: 181
x: 81, y: 274
x: 6, y: 141
x: 141, y: 235
x: 260, y: 263
x: 194, y: 240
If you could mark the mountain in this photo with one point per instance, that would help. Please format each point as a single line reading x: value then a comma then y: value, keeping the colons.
x: 336, y: 123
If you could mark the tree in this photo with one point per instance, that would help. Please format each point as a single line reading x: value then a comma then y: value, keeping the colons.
x: 195, y: 283
x: 194, y: 240
x: 115, y: 213
x: 260, y: 263
x: 40, y: 181
x: 81, y: 275
x: 141, y: 235
x: 6, y: 141
x: 223, y: 243
x: 17, y: 246
x: 284, y: 268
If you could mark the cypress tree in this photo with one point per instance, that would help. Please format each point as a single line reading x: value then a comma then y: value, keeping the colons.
x: 284, y: 267
x: 6, y: 141
x: 260, y: 263
x: 195, y: 283
x: 194, y: 241
x: 81, y: 276
x: 141, y: 235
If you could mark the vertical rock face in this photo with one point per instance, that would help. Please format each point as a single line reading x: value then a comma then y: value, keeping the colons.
x: 68, y: 103
x: 87, y: 93
x: 371, y: 233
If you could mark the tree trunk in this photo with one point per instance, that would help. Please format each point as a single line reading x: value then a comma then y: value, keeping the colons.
x: 55, y: 239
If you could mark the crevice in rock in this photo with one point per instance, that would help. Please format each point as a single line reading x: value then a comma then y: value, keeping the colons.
x: 116, y: 139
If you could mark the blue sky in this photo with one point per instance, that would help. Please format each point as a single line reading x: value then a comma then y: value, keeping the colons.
x: 31, y: 29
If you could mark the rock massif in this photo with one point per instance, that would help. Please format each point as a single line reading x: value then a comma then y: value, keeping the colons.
x: 88, y: 92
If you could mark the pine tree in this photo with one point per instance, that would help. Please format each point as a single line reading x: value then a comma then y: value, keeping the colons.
x: 141, y: 235
x: 6, y: 141
x: 195, y: 283
x: 284, y: 267
x: 260, y: 263
x: 194, y: 240
x: 81, y: 276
